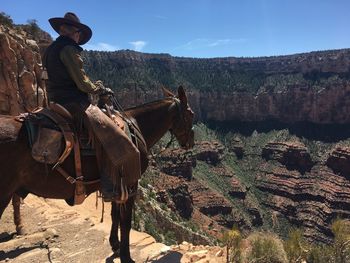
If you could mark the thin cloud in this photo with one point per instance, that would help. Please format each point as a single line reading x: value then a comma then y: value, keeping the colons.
x: 160, y: 17
x: 200, y: 43
x: 194, y: 44
x: 221, y: 42
x: 101, y: 47
x: 138, y: 45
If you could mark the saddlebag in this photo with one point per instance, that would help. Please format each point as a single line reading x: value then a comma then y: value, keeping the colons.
x: 48, y: 146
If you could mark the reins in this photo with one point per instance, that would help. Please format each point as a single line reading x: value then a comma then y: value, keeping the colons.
x: 119, y: 107
x: 177, y: 103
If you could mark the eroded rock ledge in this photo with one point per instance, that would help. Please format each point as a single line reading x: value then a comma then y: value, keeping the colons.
x: 311, y: 200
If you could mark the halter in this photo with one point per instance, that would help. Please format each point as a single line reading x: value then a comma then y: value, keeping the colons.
x: 183, y: 121
x: 178, y: 106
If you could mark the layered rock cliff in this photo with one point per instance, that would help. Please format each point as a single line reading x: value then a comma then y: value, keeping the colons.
x: 20, y: 72
x: 312, y: 199
x: 312, y: 87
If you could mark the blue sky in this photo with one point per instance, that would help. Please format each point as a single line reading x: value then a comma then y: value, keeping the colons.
x: 200, y: 28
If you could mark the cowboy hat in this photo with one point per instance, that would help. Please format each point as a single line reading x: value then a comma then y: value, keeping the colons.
x: 72, y: 19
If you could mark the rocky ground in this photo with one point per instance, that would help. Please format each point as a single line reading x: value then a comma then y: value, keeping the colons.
x: 56, y: 232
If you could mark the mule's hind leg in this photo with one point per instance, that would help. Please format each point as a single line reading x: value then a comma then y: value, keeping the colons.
x: 16, y: 203
x: 125, y: 227
x: 113, y: 237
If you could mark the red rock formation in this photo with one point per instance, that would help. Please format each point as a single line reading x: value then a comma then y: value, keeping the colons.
x: 20, y: 74
x: 293, y: 155
x: 237, y: 190
x: 311, y: 200
x: 236, y: 146
x: 177, y: 162
x: 210, y: 152
x: 209, y: 202
x: 339, y: 161
x: 182, y: 200
x: 295, y: 104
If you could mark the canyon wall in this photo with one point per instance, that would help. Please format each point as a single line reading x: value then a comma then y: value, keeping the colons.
x: 310, y: 194
x: 312, y: 87
x: 20, y: 72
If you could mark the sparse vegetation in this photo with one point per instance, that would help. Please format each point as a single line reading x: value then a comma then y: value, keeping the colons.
x: 6, y: 20
x: 203, y: 133
x: 133, y: 70
x: 33, y: 28
x: 296, y: 248
x: 265, y: 247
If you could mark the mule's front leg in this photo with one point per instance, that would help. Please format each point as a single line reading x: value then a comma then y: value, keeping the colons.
x: 125, y: 227
x: 113, y: 237
x: 16, y: 203
x: 4, y: 201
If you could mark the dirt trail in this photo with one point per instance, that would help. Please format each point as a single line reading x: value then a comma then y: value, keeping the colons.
x: 56, y: 233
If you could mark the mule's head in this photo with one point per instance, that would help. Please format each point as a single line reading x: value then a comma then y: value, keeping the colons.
x: 182, y: 124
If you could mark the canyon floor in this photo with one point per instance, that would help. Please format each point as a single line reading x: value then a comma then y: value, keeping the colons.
x: 56, y: 232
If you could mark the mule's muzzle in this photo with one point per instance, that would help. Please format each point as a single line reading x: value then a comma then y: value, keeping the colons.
x: 190, y: 141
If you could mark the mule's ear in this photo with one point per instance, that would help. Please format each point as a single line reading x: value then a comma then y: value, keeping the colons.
x: 167, y: 93
x: 182, y: 95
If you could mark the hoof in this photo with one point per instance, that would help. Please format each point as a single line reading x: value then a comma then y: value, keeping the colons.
x: 20, y: 231
x: 127, y: 260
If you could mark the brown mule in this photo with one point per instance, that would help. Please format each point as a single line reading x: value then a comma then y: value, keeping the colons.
x: 20, y: 174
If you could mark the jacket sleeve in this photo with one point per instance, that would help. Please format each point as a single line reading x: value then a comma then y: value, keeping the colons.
x: 71, y: 58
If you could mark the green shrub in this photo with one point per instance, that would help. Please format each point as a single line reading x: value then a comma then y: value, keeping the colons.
x: 151, y: 228
x: 233, y: 241
x: 265, y: 248
x: 169, y: 238
x: 341, y: 231
x: 320, y: 254
x: 295, y: 246
x: 338, y: 252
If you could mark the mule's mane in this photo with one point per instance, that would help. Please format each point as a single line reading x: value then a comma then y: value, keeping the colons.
x: 150, y: 105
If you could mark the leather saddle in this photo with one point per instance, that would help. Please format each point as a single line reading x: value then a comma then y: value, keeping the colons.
x: 52, y: 139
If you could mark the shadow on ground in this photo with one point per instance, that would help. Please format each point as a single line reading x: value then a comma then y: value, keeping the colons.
x: 173, y: 257
x: 17, y: 252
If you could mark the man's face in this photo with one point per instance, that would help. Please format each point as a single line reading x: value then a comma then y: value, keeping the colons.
x: 76, y: 36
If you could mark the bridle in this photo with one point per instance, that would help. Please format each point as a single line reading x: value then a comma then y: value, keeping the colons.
x: 177, y: 128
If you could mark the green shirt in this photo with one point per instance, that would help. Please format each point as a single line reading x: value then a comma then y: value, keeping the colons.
x: 71, y: 58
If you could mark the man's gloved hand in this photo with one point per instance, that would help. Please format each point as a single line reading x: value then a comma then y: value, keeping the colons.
x: 102, y: 90
x: 106, y: 91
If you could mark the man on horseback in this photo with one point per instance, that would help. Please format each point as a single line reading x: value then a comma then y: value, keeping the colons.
x: 69, y: 86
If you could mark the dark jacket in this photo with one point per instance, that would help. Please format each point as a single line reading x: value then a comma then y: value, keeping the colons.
x: 61, y: 86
